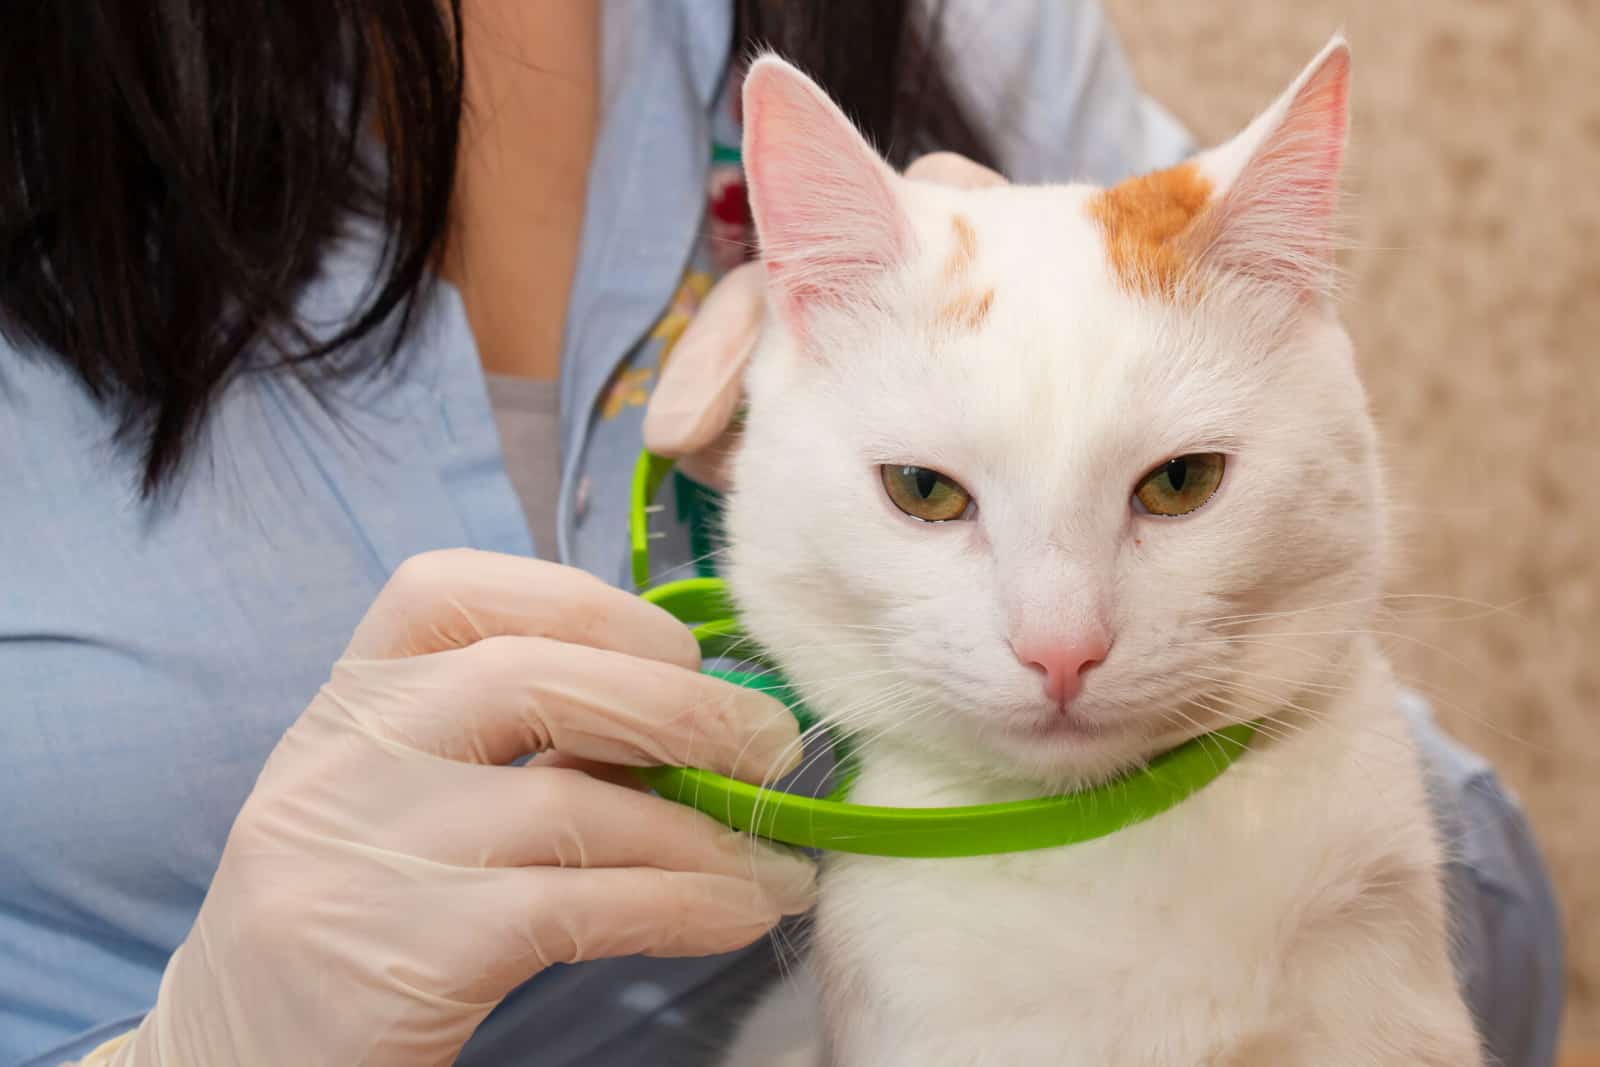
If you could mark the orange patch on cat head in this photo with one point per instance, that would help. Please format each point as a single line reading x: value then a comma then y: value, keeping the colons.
x: 968, y: 306
x: 967, y: 309
x: 1142, y: 219
x: 965, y: 251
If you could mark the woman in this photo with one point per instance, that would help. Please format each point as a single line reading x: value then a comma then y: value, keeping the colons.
x: 234, y: 401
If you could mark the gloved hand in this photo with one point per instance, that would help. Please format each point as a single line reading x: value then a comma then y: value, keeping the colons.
x: 690, y: 417
x: 389, y: 880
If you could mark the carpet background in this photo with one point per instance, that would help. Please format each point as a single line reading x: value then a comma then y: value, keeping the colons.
x: 1475, y: 305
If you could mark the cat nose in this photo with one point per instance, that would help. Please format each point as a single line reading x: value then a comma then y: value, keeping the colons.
x: 1063, y: 661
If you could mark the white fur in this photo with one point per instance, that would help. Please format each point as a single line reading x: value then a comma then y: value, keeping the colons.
x: 1288, y: 914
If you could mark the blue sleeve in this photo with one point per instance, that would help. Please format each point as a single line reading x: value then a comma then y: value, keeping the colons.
x: 1506, y: 925
x: 1049, y: 86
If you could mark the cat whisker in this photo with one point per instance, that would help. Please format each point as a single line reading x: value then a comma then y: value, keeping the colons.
x: 1483, y: 608
x: 1375, y: 632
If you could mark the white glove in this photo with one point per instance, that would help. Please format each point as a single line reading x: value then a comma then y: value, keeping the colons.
x: 390, y: 880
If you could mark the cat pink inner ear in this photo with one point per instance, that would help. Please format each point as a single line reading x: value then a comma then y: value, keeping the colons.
x: 825, y: 205
x: 1277, y: 183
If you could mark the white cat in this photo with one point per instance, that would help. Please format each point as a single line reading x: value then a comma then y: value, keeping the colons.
x: 1038, y: 483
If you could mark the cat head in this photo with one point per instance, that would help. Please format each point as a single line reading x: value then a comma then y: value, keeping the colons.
x: 1045, y: 479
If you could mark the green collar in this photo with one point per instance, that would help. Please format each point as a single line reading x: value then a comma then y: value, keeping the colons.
x: 832, y: 823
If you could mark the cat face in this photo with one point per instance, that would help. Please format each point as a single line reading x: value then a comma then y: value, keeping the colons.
x: 1044, y: 480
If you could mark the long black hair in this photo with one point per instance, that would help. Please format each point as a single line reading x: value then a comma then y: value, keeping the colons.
x: 883, y: 60
x: 172, y: 173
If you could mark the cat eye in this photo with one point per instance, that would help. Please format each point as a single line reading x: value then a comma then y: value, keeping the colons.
x: 925, y: 494
x: 1180, y: 485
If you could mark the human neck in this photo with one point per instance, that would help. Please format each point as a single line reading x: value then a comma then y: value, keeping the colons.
x: 532, y: 110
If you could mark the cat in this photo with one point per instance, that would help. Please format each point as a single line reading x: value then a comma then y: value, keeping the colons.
x: 1037, y: 483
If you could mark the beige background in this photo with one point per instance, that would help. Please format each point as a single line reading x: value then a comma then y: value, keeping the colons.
x: 1475, y: 305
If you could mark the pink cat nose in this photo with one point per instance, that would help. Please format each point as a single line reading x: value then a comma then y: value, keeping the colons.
x: 1063, y: 661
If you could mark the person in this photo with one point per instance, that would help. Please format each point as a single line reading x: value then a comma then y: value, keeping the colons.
x: 322, y: 320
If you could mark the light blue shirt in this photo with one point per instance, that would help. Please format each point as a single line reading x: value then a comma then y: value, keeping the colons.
x: 150, y: 657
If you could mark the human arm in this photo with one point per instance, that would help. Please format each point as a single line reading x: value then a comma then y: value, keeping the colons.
x: 390, y: 879
x: 1506, y: 924
x: 1053, y: 93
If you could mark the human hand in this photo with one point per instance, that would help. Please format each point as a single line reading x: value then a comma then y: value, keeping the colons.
x: 691, y: 415
x: 390, y: 879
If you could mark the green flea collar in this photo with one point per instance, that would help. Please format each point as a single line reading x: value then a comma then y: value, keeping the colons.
x: 831, y: 822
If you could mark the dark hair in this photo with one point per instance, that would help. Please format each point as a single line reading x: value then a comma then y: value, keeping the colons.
x: 882, y: 60
x: 172, y: 173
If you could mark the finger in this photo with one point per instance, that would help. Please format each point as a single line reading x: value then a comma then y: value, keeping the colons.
x: 553, y: 817
x: 605, y: 772
x: 948, y: 168
x: 499, y: 926
x: 506, y: 697
x: 449, y: 599
x: 644, y: 911
x: 700, y: 387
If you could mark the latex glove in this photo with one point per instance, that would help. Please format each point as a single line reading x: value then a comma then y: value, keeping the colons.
x: 690, y: 417
x: 389, y: 880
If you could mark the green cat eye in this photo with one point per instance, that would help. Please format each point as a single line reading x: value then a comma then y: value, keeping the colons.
x: 925, y: 494
x: 1180, y: 485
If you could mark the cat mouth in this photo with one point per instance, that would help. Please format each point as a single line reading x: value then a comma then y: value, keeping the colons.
x: 1068, y: 725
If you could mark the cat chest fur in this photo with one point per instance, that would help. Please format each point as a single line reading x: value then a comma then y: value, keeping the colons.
x: 1237, y: 928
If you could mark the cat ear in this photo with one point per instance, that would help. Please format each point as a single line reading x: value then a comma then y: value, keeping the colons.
x: 1276, y: 184
x: 825, y: 205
